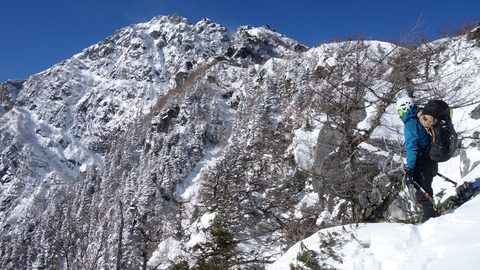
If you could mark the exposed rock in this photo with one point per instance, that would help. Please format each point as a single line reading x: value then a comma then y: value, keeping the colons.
x: 475, y: 114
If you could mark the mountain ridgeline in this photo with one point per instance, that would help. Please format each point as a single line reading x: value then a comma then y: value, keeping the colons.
x: 172, y: 145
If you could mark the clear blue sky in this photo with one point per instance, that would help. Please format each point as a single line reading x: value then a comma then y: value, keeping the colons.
x: 36, y: 34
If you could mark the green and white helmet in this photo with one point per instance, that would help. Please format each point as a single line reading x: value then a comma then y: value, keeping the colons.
x: 404, y: 104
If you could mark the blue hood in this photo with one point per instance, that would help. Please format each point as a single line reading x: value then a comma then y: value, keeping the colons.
x: 410, y: 113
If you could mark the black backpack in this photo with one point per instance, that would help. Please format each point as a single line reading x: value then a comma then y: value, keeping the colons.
x: 435, y: 118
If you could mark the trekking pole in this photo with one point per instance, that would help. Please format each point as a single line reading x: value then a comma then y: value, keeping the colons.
x: 447, y: 179
x: 427, y: 196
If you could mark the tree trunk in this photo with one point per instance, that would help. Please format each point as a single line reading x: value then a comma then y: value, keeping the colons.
x: 120, y: 238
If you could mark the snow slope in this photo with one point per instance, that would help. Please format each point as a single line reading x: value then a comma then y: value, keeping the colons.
x: 451, y: 241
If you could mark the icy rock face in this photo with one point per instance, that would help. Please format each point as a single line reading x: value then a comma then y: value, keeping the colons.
x: 134, y: 145
x: 57, y: 123
x: 119, y: 130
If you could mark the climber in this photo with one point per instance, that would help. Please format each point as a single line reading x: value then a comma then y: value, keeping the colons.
x: 419, y: 168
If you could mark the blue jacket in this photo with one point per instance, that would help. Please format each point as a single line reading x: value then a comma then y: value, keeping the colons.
x: 416, y: 138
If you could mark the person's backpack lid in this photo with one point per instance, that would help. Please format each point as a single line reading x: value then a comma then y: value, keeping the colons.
x: 436, y: 108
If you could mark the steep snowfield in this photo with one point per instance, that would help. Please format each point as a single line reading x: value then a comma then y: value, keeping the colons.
x: 451, y: 241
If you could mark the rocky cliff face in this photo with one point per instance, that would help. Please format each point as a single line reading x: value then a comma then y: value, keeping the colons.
x: 124, y: 155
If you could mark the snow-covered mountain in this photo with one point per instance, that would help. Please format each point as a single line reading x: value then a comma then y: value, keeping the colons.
x: 171, y: 144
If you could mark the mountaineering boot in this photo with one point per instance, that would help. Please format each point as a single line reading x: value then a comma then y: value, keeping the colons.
x: 428, y: 212
x: 427, y: 206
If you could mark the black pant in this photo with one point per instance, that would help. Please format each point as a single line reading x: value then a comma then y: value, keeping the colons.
x: 423, y: 173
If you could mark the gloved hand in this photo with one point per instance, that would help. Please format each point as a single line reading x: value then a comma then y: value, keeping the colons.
x: 408, y: 178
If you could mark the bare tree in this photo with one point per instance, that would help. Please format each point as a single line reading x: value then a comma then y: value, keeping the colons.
x: 344, y: 91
